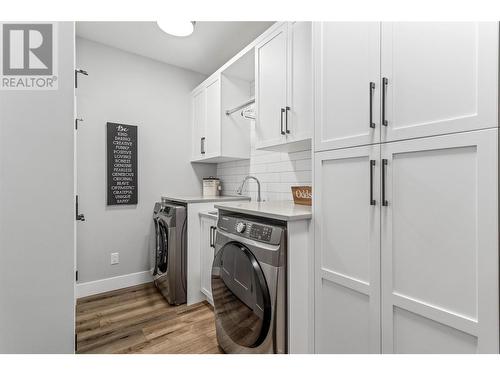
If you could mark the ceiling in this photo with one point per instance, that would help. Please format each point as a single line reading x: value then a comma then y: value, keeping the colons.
x: 204, y: 51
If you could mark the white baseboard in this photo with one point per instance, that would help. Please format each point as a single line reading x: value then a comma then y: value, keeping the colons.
x: 113, y: 283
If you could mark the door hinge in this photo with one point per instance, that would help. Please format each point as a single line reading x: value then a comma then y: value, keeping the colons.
x: 79, y: 71
x: 77, y: 120
x: 78, y: 217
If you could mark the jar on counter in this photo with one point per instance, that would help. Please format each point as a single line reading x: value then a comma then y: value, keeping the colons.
x: 211, y: 187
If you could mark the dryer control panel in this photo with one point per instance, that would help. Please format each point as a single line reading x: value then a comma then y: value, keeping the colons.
x: 251, y: 228
x: 260, y: 232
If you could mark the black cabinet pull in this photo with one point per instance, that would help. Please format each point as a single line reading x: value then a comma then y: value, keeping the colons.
x: 385, y: 81
x: 373, y: 202
x: 384, y: 201
x: 210, y: 241
x: 372, y: 89
x: 281, y: 121
x: 202, y: 145
x: 286, y: 120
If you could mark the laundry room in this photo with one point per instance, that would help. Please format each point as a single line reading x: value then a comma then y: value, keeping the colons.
x: 200, y: 186
x: 148, y: 200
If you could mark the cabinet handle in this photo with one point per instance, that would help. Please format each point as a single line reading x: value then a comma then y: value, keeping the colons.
x: 281, y: 121
x: 202, y: 145
x: 372, y: 89
x: 385, y: 82
x: 384, y: 201
x: 373, y: 202
x: 286, y: 120
x: 212, y: 236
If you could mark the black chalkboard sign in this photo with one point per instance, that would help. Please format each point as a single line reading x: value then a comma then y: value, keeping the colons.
x: 122, y: 163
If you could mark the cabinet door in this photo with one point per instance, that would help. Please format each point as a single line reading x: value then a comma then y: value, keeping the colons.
x: 347, y: 84
x: 442, y: 77
x: 440, y: 245
x: 270, y: 88
x: 299, y: 116
x: 207, y: 256
x: 213, y: 126
x: 347, y: 246
x: 199, y: 122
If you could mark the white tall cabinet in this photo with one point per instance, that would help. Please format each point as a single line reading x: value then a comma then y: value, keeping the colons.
x: 347, y: 243
x: 406, y: 219
x: 439, y: 241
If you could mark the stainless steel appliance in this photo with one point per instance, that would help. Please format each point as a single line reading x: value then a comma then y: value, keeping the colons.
x: 169, y: 271
x: 249, y: 284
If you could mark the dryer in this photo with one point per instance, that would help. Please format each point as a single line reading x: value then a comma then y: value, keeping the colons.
x: 249, y: 284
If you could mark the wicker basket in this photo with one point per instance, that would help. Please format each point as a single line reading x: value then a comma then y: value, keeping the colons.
x: 302, y: 195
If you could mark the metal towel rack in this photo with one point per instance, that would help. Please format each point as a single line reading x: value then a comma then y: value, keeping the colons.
x: 241, y: 106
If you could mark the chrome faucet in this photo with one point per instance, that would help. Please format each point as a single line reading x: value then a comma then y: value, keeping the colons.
x: 240, y: 189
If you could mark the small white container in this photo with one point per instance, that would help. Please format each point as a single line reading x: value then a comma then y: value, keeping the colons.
x: 211, y: 187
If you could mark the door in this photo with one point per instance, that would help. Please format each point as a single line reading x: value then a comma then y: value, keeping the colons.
x: 347, y: 84
x: 347, y: 240
x: 208, y: 226
x: 442, y: 77
x: 213, y: 124
x: 271, y: 88
x: 299, y: 112
x: 241, y: 296
x: 440, y: 245
x: 162, y: 236
x: 199, y: 123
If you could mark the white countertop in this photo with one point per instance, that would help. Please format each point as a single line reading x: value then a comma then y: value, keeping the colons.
x: 212, y: 214
x: 280, y: 210
x: 202, y: 199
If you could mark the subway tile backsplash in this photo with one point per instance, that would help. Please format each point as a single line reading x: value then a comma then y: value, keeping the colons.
x: 276, y: 171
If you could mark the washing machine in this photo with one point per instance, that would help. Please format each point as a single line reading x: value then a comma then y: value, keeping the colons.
x: 249, y: 284
x: 169, y: 255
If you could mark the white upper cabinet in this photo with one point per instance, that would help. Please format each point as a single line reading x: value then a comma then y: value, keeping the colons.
x: 381, y: 82
x: 442, y: 77
x: 270, y: 88
x: 199, y: 118
x: 283, y: 88
x: 213, y: 121
x: 300, y: 94
x: 347, y: 84
x: 218, y: 137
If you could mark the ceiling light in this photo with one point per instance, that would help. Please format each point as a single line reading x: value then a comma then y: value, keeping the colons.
x: 177, y: 28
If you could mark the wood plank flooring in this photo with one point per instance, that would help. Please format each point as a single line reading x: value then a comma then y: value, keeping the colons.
x: 139, y: 320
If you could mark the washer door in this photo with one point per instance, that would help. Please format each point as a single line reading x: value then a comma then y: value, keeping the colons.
x: 162, y: 248
x: 157, y: 246
x: 241, y: 295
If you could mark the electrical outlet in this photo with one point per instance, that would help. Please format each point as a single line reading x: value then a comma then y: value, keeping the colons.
x: 115, y: 258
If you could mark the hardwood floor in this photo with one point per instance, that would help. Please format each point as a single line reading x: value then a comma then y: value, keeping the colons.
x: 139, y: 320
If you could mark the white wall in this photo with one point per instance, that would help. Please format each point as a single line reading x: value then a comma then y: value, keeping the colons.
x: 123, y: 87
x: 276, y: 171
x: 37, y: 213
